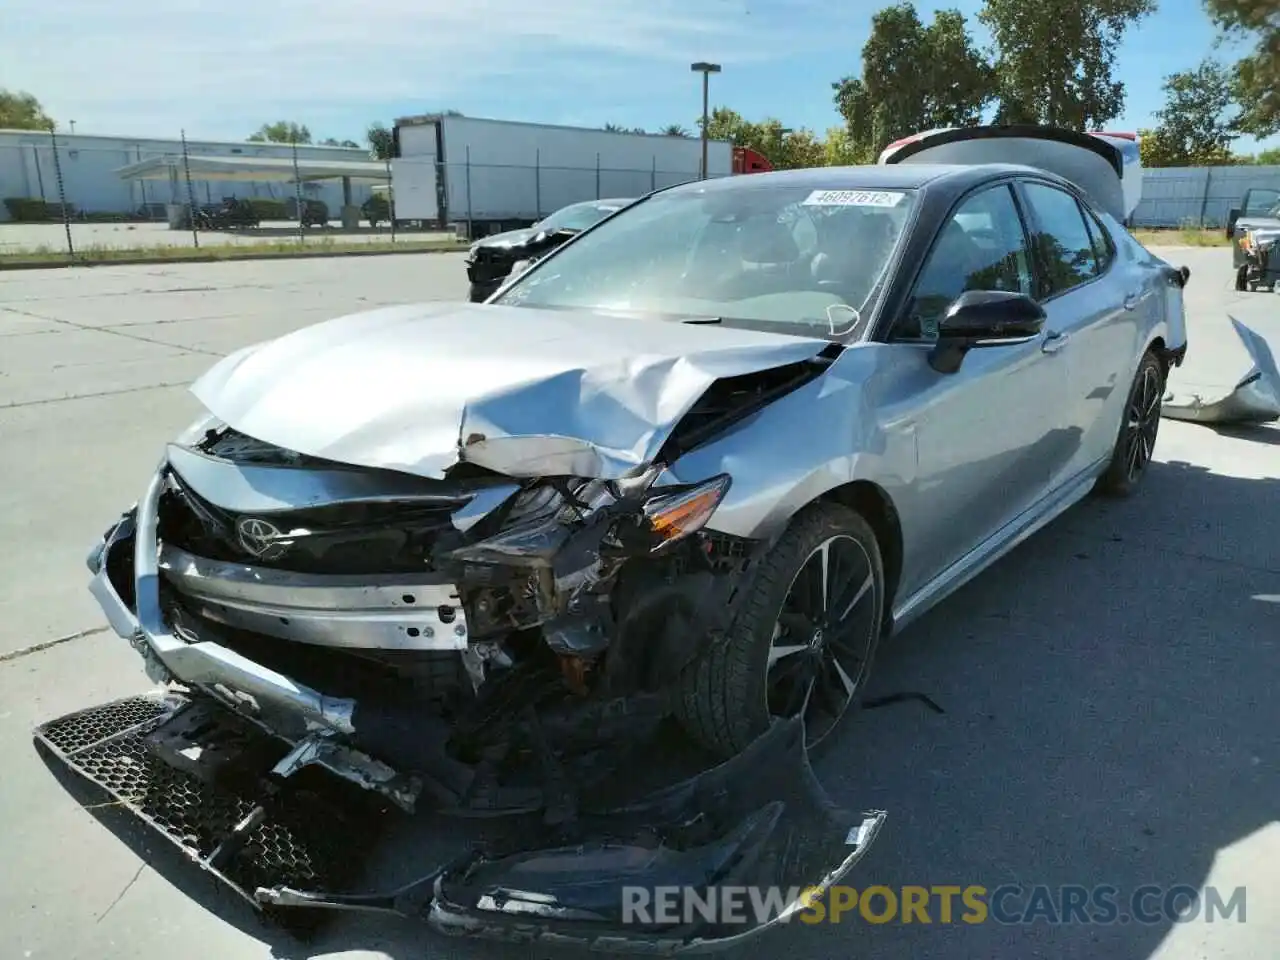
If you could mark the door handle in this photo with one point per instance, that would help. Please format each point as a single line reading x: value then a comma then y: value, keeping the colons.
x: 1131, y: 300
x: 1054, y: 342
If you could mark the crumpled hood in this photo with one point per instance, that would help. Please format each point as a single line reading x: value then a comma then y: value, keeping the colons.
x: 521, y: 391
x: 1265, y: 230
x: 505, y: 241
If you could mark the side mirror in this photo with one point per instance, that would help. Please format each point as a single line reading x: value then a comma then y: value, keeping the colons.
x: 1232, y: 217
x: 984, y: 318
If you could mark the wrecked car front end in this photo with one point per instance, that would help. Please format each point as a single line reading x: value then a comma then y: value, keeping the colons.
x: 1257, y: 259
x: 491, y: 262
x: 497, y: 632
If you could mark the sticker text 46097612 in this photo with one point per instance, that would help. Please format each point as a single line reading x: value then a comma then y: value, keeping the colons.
x: 854, y: 198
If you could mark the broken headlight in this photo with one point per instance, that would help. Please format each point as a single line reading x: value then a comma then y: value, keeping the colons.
x: 1258, y: 241
x: 670, y: 514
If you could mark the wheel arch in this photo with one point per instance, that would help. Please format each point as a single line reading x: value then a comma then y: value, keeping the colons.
x: 873, y: 503
x: 1168, y: 358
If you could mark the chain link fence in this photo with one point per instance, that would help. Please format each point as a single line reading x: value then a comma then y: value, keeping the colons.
x: 1197, y: 197
x: 62, y: 198
x: 475, y: 199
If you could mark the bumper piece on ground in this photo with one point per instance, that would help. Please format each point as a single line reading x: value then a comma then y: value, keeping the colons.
x: 759, y: 822
x: 198, y: 797
x: 1255, y: 399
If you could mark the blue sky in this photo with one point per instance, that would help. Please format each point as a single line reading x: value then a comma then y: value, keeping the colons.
x: 221, y: 69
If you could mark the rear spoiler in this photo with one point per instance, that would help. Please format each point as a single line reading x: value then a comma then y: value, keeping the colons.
x: 1107, y: 166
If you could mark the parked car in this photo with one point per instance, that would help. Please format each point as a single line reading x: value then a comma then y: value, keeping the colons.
x: 490, y: 260
x: 1253, y: 229
x: 315, y: 213
x: 695, y: 465
x: 232, y: 214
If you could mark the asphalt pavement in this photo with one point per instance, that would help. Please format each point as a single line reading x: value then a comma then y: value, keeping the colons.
x: 52, y: 237
x: 1109, y: 689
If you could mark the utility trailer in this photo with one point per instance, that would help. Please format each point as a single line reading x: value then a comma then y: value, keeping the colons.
x: 494, y: 175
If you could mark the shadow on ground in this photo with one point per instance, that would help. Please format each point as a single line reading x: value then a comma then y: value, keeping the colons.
x: 1100, y: 727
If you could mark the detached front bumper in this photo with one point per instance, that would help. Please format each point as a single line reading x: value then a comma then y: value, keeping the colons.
x: 651, y: 877
x: 242, y: 684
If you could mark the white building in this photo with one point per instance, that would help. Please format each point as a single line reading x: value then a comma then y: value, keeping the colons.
x: 92, y: 185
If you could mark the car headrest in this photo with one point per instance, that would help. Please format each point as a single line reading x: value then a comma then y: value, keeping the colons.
x: 769, y: 241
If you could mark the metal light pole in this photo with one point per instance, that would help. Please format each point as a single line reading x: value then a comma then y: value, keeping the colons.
x: 706, y: 69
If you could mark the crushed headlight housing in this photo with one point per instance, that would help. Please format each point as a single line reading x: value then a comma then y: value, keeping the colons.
x: 1256, y: 241
x: 672, y: 515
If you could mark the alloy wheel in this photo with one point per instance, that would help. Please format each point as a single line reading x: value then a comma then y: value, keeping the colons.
x: 824, y: 637
x: 1142, y: 422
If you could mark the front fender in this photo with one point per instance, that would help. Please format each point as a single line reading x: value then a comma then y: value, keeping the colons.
x: 805, y: 444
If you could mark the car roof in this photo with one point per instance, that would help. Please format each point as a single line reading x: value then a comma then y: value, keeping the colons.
x: 942, y: 177
x: 604, y: 202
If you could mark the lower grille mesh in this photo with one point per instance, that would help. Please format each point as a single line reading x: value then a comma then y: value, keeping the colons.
x: 304, y: 842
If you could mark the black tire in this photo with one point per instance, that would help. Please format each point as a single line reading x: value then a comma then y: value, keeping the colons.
x: 1242, y: 279
x: 1139, y: 426
x: 726, y: 702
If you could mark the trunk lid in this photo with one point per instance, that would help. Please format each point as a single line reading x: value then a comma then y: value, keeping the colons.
x: 1106, y: 166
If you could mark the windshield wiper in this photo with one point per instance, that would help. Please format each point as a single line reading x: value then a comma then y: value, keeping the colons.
x: 703, y: 320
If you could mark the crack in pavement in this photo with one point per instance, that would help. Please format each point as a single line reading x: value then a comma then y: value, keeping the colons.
x: 120, y: 896
x: 135, y: 293
x: 110, y: 331
x: 47, y: 644
x: 13, y: 405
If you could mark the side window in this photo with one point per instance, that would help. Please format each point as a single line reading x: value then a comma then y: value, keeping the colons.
x: 1104, y: 248
x: 1061, y: 240
x: 982, y: 246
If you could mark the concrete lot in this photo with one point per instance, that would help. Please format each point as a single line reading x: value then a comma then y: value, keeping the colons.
x: 1110, y: 688
x: 29, y: 237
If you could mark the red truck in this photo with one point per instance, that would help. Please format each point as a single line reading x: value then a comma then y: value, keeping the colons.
x: 746, y: 160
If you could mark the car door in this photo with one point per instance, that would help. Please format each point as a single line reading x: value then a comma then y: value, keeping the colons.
x: 1095, y: 303
x: 986, y: 435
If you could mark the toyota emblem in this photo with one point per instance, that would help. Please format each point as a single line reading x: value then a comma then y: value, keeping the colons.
x: 261, y: 538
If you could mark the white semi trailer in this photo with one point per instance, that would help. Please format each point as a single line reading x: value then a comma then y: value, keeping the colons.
x: 495, y: 175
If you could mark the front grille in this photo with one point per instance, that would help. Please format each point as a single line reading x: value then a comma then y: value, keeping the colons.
x: 342, y: 539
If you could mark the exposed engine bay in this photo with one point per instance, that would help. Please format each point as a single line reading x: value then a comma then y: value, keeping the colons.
x: 569, y: 596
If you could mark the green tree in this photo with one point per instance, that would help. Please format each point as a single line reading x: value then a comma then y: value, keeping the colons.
x: 839, y: 150
x: 1055, y: 59
x: 618, y: 128
x: 800, y: 149
x: 785, y: 148
x: 1257, y: 77
x: 914, y: 77
x: 381, y: 142
x: 282, y: 131
x: 1268, y: 158
x: 333, y: 142
x: 674, y: 130
x: 19, y: 110
x: 1197, y: 123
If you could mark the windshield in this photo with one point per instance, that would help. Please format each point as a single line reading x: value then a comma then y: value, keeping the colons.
x: 578, y: 216
x: 1262, y: 203
x: 762, y: 254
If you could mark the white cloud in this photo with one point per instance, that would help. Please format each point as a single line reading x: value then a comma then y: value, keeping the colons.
x: 130, y: 66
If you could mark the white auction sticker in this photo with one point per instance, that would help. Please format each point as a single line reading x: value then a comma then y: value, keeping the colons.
x: 854, y: 198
